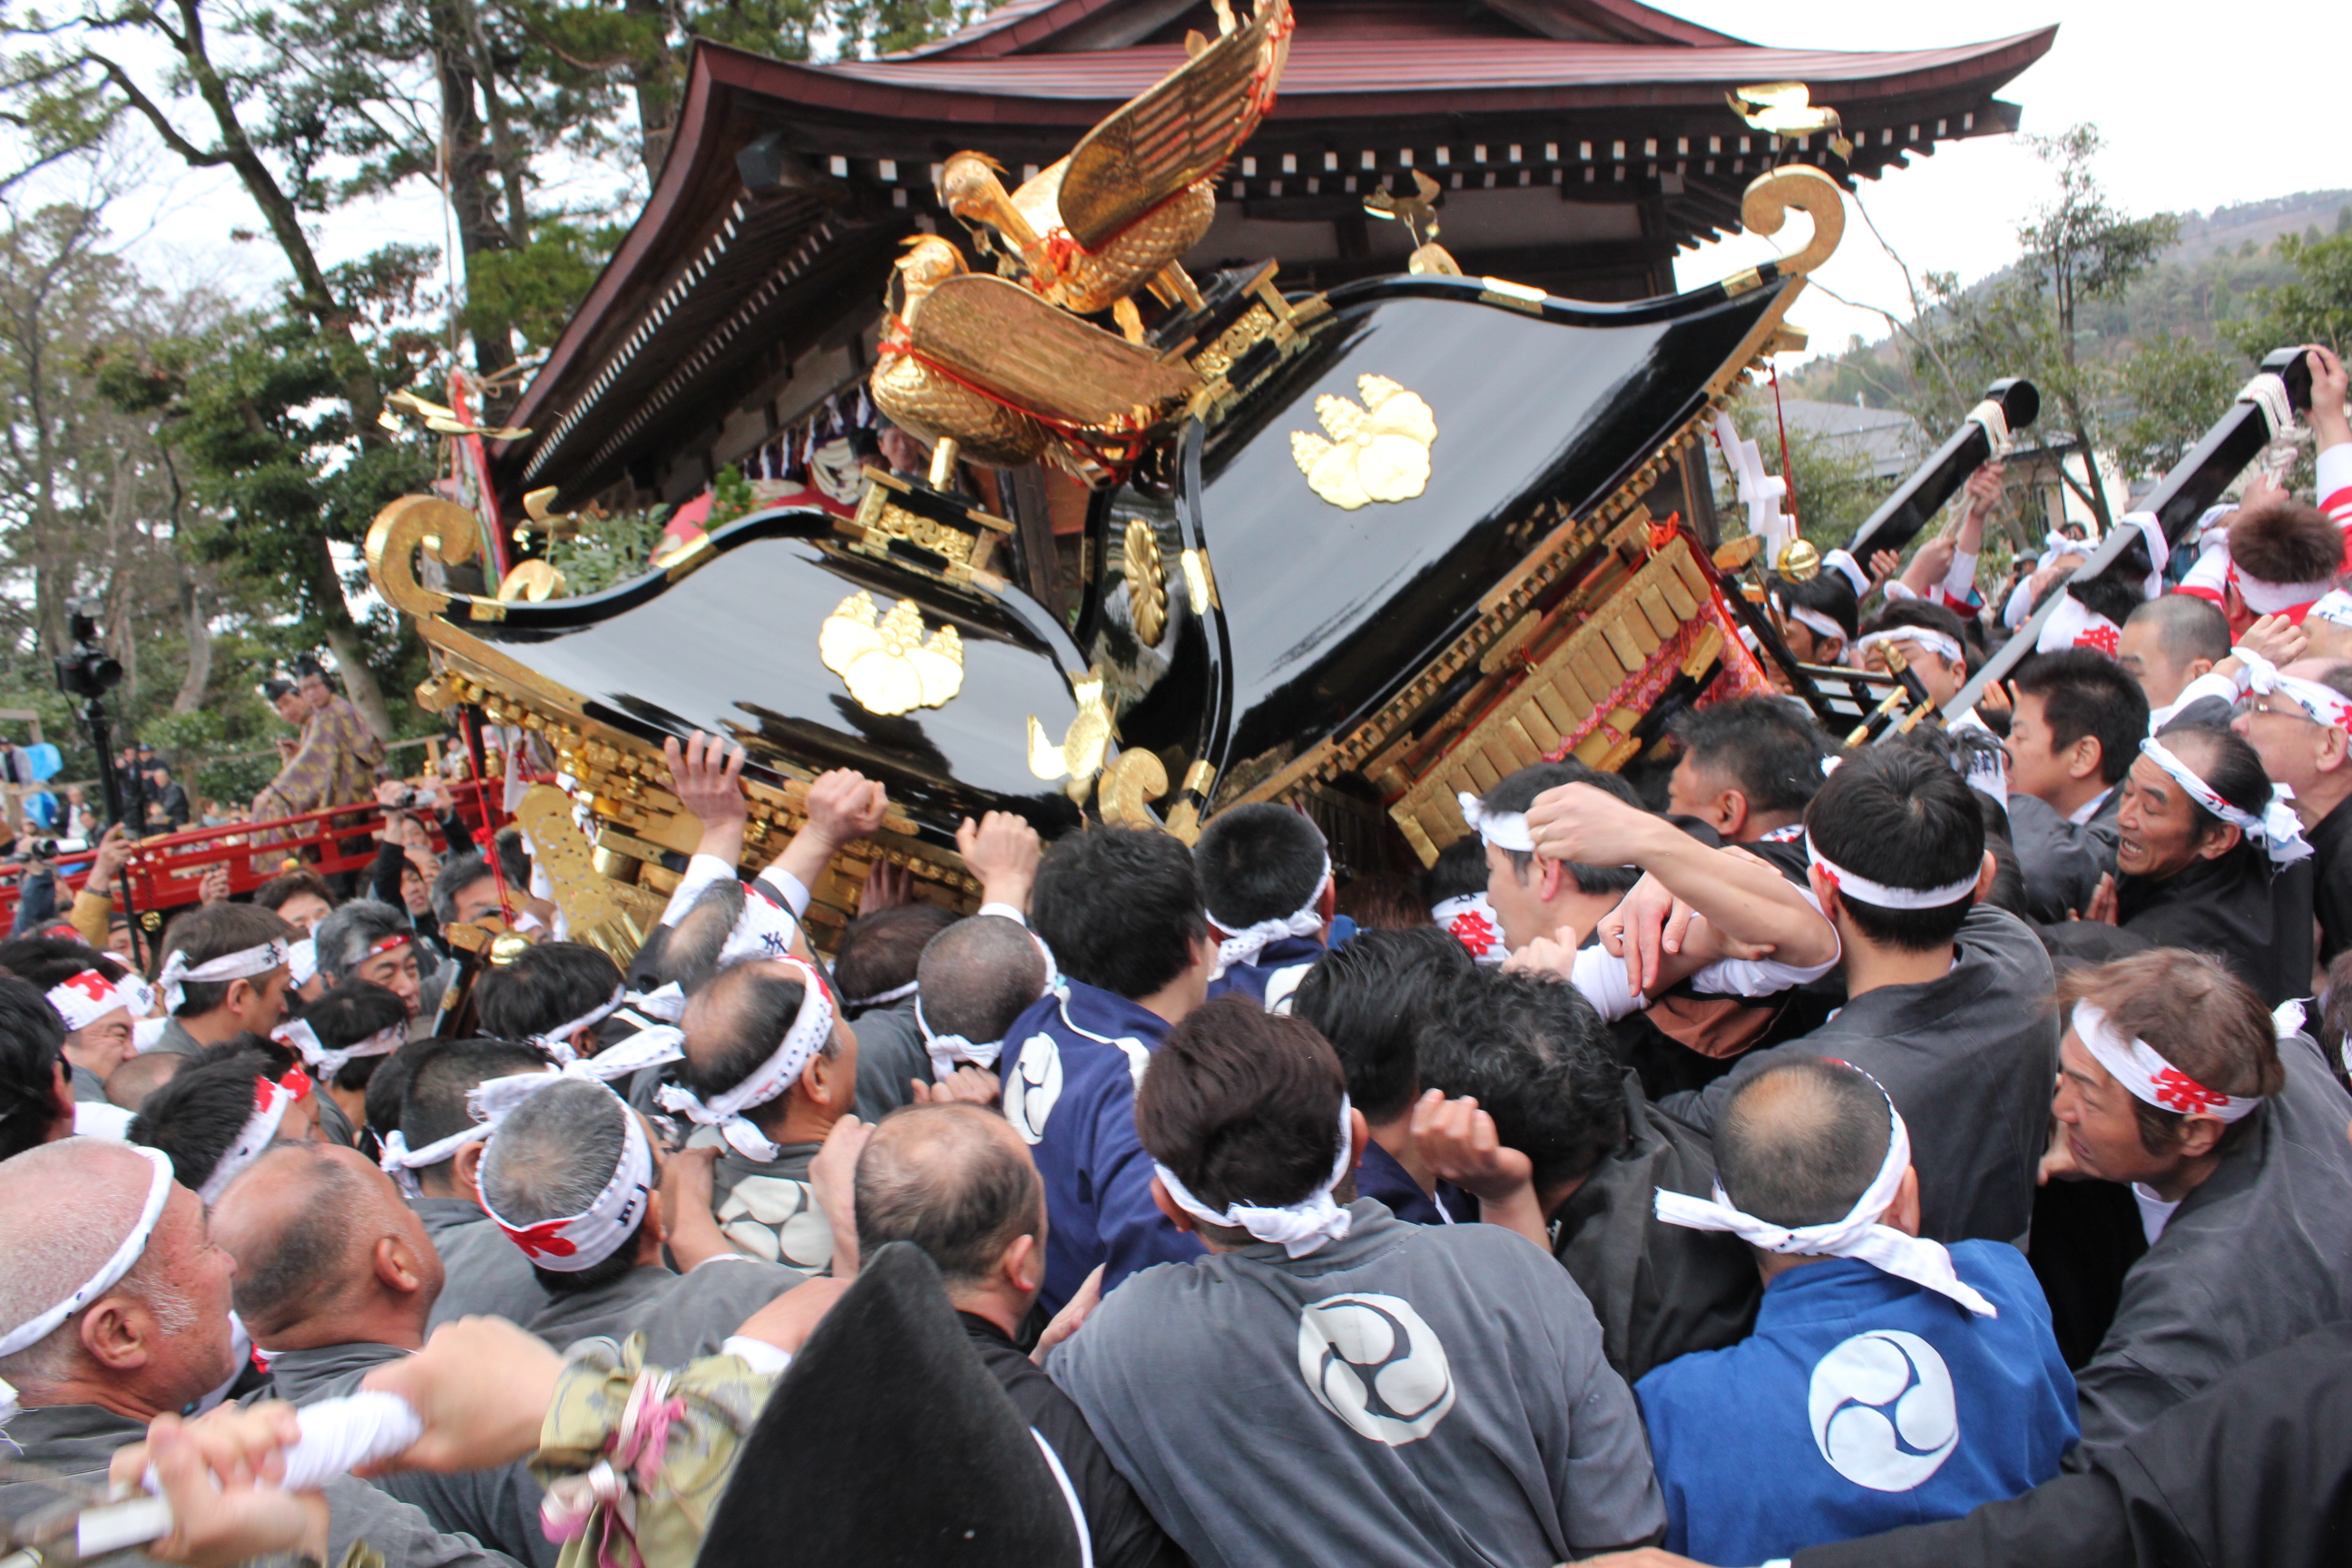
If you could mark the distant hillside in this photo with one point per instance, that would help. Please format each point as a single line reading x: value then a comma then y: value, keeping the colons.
x: 2231, y: 227
x: 2200, y: 284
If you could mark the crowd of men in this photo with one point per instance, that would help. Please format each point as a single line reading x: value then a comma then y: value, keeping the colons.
x: 1936, y: 1151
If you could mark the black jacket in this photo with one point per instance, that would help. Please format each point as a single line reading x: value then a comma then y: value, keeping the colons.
x: 1125, y: 1535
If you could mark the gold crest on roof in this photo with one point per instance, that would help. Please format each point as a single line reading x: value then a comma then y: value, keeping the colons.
x: 884, y: 661
x: 1378, y: 450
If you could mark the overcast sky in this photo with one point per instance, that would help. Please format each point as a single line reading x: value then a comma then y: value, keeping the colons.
x: 2201, y: 108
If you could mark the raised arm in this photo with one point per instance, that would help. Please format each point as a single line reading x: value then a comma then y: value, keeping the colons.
x: 1743, y: 900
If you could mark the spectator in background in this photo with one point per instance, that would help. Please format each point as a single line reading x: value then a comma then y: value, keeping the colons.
x: 167, y: 810
x: 300, y: 899
x: 335, y: 761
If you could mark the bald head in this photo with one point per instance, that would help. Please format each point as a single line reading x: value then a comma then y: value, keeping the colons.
x: 980, y: 974
x: 1800, y: 1142
x: 65, y: 1207
x: 129, y: 1085
x: 734, y: 1024
x: 2169, y: 641
x: 305, y: 1224
x: 955, y: 1180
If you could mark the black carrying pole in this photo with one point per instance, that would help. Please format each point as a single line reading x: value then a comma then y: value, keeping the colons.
x: 1901, y: 516
x: 109, y: 787
x: 2179, y: 499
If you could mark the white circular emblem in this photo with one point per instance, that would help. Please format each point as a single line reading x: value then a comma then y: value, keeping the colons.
x: 1032, y: 1087
x: 1883, y: 1412
x: 1371, y: 1361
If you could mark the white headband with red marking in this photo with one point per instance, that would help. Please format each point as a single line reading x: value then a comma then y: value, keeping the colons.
x: 2322, y: 704
x: 575, y: 1242
x: 1848, y: 885
x: 2135, y: 1065
x: 2277, y: 830
x: 811, y: 1027
x: 272, y: 1098
x: 84, y: 999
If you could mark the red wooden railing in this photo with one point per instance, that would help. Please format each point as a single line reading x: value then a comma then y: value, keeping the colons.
x: 165, y: 873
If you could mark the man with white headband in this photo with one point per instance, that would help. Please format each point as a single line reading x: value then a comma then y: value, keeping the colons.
x: 345, y: 1036
x: 1784, y: 1440
x: 2230, y: 1135
x: 1575, y: 852
x: 1329, y: 1377
x: 1265, y: 875
x: 2212, y: 859
x: 114, y: 1311
x: 1945, y: 994
x: 1534, y: 895
x: 2298, y: 719
x: 224, y: 974
x: 769, y: 1068
x: 2281, y: 556
x: 558, y: 995
x: 335, y: 1276
x: 216, y: 1115
x: 372, y: 940
x: 1120, y: 908
x: 976, y: 978
x: 435, y: 1155
x: 1933, y: 644
x: 571, y: 1176
x: 1818, y: 617
x: 2077, y: 719
x: 87, y: 990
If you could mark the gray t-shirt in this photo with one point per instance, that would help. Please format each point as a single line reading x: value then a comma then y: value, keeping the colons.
x: 497, y: 1506
x: 1405, y: 1396
x: 485, y: 1275
x: 682, y: 1316
x: 890, y: 1055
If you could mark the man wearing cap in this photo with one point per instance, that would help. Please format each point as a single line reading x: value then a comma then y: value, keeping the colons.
x: 2298, y: 719
x: 2232, y: 1138
x: 1889, y: 1380
x: 114, y: 1311
x: 1945, y: 994
x: 224, y: 973
x: 1332, y: 1384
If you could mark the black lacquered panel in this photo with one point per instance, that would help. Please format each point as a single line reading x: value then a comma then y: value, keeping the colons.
x: 1327, y: 612
x: 732, y: 648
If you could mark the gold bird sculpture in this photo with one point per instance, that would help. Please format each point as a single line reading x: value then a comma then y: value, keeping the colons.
x: 984, y: 363
x: 1139, y: 190
x: 933, y: 404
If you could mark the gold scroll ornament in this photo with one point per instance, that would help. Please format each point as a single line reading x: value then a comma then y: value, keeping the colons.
x: 883, y: 659
x: 1378, y: 450
x: 1079, y: 754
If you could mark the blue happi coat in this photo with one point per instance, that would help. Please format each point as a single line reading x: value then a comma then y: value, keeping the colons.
x: 1281, y: 964
x: 1860, y: 1403
x: 1070, y: 1067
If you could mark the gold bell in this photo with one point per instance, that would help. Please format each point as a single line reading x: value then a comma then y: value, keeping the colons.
x: 1802, y: 562
x: 508, y: 946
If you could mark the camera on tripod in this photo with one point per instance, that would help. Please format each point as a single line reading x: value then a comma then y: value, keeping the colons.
x: 88, y: 670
